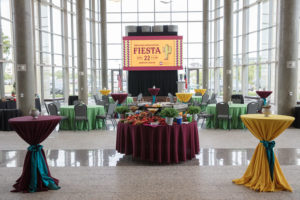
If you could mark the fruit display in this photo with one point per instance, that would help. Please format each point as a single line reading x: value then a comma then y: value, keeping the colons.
x: 134, y: 108
x: 143, y: 118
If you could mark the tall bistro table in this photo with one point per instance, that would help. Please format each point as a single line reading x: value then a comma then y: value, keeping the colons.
x: 264, y: 173
x: 129, y: 100
x: 202, y: 91
x: 154, y: 92
x: 159, y: 144
x: 264, y: 95
x: 36, y: 174
x: 184, y: 97
x: 234, y: 109
x: 92, y: 112
x: 121, y: 97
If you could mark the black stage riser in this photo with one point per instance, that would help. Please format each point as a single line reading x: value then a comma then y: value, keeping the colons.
x: 140, y: 81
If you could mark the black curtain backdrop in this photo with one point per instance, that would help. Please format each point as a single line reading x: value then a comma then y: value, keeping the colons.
x: 140, y: 81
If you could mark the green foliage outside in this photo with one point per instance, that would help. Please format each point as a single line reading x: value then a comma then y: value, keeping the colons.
x: 6, y: 44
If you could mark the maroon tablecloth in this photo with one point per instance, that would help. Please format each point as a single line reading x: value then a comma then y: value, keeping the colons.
x: 153, y: 91
x: 161, y: 144
x: 33, y: 131
x: 119, y: 96
x: 263, y: 94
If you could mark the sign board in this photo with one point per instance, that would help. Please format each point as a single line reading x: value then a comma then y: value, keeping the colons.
x: 152, y: 53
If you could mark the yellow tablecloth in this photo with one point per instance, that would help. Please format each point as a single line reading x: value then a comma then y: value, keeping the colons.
x: 257, y: 175
x: 202, y: 91
x: 184, y: 97
x: 104, y: 92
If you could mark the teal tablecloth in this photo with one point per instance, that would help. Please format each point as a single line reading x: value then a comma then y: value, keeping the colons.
x: 235, y: 110
x: 128, y: 100
x: 92, y: 112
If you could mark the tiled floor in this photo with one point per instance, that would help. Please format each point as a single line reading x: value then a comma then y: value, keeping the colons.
x: 89, y: 168
x: 111, y: 158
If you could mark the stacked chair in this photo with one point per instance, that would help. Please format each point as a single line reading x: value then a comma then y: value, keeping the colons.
x: 110, y: 115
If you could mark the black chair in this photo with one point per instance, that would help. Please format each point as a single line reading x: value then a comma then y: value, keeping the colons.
x: 252, y: 108
x: 57, y: 103
x: 76, y: 102
x: 204, y: 116
x: 171, y: 97
x: 109, y: 115
x: 237, y: 98
x: 47, y: 109
x: 72, y: 99
x: 198, y: 94
x: 223, y: 113
x: 52, y: 110
x: 213, y: 99
x: 96, y: 98
x: 38, y: 104
x: 205, y: 99
x: 260, y: 105
x: 81, y: 114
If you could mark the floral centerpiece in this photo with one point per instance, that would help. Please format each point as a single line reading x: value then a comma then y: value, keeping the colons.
x: 143, y: 118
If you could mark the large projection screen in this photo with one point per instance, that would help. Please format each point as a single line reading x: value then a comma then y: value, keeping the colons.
x: 152, y: 53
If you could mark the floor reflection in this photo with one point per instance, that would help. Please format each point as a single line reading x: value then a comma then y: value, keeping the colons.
x: 110, y: 157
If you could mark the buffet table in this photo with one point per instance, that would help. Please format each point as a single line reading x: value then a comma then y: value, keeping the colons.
x: 159, y: 144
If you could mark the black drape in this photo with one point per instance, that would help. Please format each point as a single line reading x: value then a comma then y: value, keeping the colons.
x: 140, y: 81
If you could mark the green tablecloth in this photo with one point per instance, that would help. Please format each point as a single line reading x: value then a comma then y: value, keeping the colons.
x: 197, y: 98
x: 92, y: 111
x: 235, y: 110
x: 128, y: 100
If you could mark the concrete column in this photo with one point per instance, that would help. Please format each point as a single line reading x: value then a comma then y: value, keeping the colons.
x: 93, y: 34
x: 2, y: 93
x: 205, y: 44
x: 104, y: 45
x: 66, y: 52
x: 245, y: 57
x: 227, y: 50
x: 288, y: 55
x: 22, y: 16
x: 81, y: 52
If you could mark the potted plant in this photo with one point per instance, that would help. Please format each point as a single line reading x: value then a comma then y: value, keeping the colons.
x: 122, y: 110
x: 169, y: 113
x: 194, y: 110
